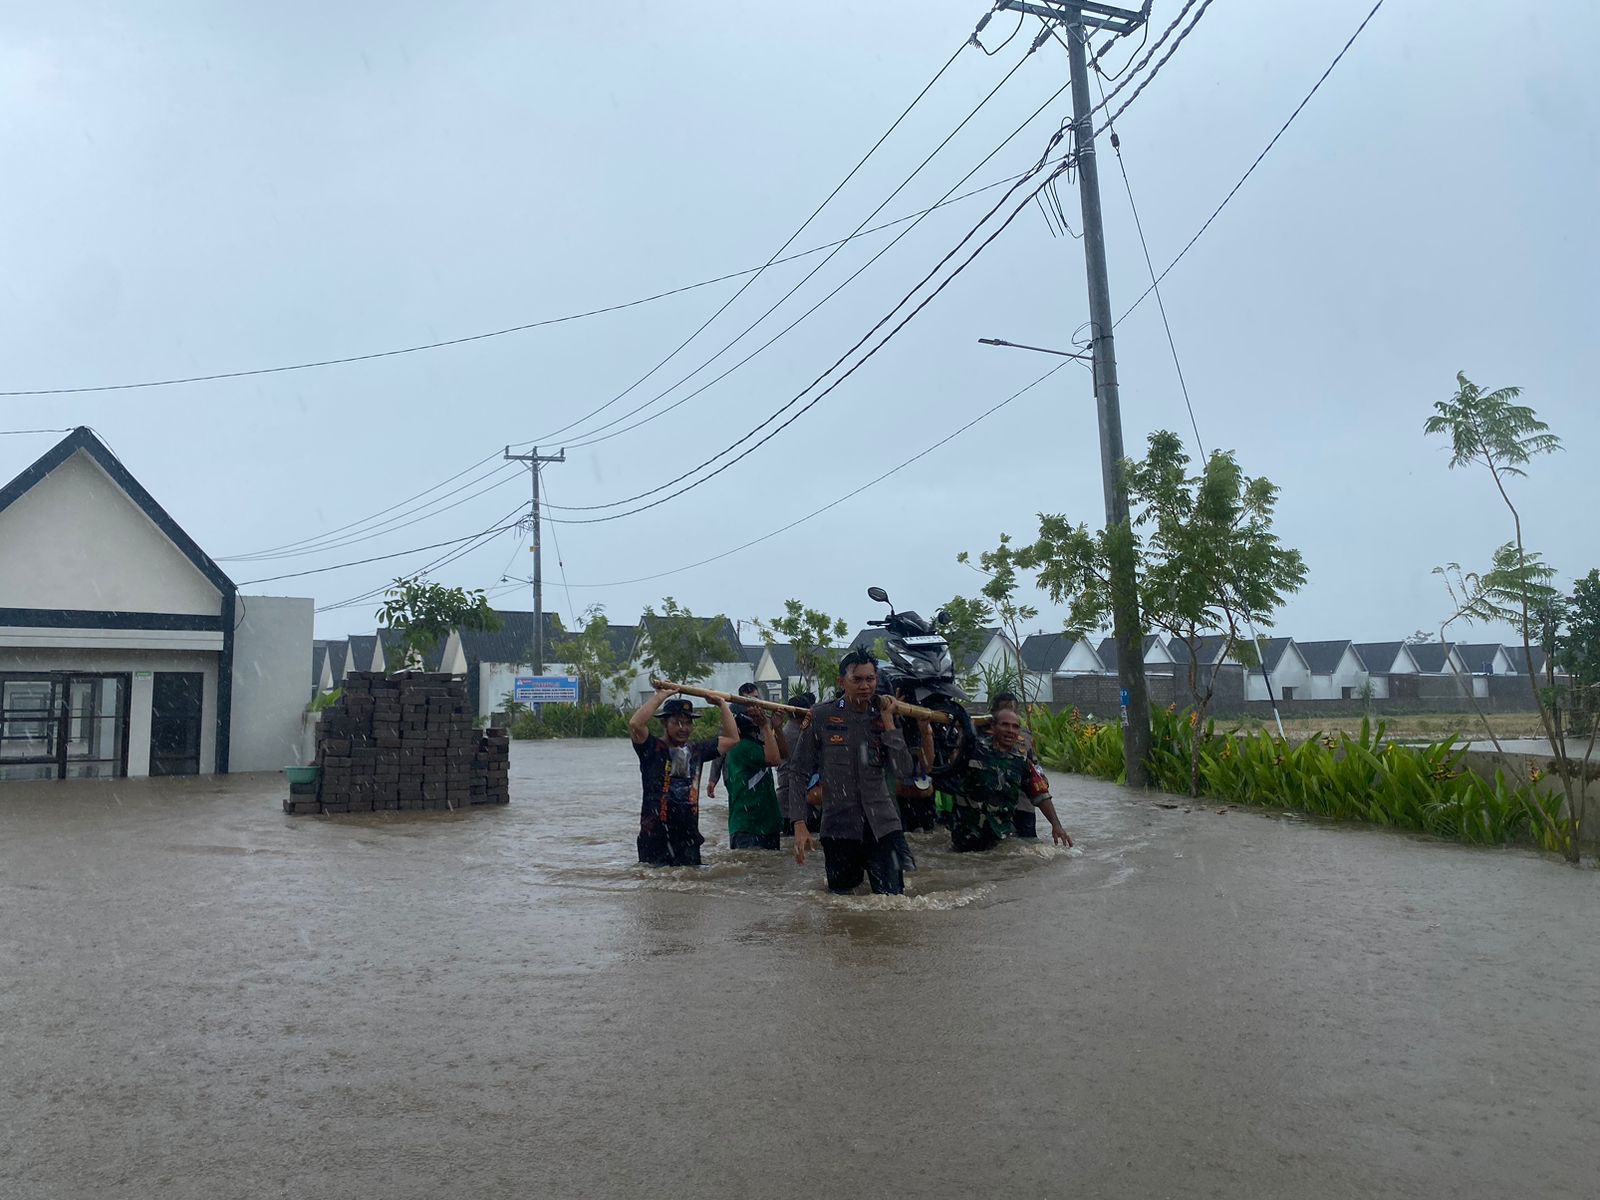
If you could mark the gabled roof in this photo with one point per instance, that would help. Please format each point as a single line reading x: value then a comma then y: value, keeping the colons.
x: 1478, y: 657
x: 752, y: 654
x: 1107, y: 650
x: 1324, y: 657
x: 361, y: 646
x: 721, y: 626
x: 319, y: 655
x: 1379, y: 656
x: 783, y: 660
x: 969, y: 658
x: 1519, y: 659
x: 336, y: 650
x: 1046, y: 651
x: 1431, y: 657
x: 82, y: 438
x: 394, y: 656
x: 512, y: 642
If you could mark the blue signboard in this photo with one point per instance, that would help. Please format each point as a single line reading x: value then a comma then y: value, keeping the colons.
x: 546, y: 689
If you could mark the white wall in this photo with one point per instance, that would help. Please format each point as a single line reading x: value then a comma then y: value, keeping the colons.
x: 1347, y: 674
x: 1291, y: 672
x: 76, y: 541
x: 271, y: 680
x: 142, y: 665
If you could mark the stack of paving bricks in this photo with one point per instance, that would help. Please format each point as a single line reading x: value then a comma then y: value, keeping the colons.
x: 405, y: 742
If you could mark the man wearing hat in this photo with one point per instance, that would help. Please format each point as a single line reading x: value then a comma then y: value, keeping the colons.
x: 669, y: 768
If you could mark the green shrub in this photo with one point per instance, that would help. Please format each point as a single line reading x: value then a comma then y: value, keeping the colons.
x: 1363, y: 778
x: 569, y: 721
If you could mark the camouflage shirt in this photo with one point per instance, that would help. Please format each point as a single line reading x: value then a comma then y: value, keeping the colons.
x: 987, y: 792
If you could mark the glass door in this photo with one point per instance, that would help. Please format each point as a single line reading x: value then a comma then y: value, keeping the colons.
x: 63, y: 726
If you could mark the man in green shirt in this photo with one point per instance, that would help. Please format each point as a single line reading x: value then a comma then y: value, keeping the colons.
x: 755, y: 820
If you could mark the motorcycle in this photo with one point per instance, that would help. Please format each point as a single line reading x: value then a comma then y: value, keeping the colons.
x: 921, y: 670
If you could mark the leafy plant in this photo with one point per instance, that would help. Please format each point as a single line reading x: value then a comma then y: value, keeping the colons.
x: 595, y: 660
x: 967, y: 632
x: 1001, y: 566
x: 1208, y: 561
x: 813, y: 634
x: 1490, y: 430
x: 423, y: 613
x: 1360, y: 778
x: 680, y: 646
x: 325, y: 701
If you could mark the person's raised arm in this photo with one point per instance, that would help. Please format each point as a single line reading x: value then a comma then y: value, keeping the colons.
x: 769, y: 737
x: 728, y: 736
x: 782, y: 740
x: 893, y: 740
x: 639, y: 723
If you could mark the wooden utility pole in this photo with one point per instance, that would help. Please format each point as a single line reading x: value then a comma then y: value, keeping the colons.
x: 536, y: 461
x: 1078, y: 19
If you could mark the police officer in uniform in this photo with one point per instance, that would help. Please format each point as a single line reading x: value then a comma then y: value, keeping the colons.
x: 846, y: 747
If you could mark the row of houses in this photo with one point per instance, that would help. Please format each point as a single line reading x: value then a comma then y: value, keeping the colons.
x: 1290, y: 670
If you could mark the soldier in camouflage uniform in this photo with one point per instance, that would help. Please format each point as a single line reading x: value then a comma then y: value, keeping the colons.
x: 988, y: 785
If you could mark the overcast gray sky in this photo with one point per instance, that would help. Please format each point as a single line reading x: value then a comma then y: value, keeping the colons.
x: 195, y: 188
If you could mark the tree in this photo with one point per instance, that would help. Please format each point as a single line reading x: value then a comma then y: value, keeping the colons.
x: 967, y: 631
x: 1578, y: 650
x: 1208, y: 563
x: 680, y: 646
x: 423, y: 613
x: 1488, y: 429
x: 814, y: 636
x: 595, y: 659
x: 1000, y: 565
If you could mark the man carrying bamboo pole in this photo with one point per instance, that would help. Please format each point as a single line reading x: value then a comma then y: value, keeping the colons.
x: 846, y: 746
x: 792, y: 792
x: 755, y: 821
x: 669, y: 767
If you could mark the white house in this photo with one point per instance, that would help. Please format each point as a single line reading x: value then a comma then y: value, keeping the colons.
x: 1391, y: 667
x: 1337, y: 671
x: 1285, y: 666
x: 1046, y: 656
x: 1483, y: 659
x: 778, y: 673
x: 1156, y: 654
x: 124, y: 648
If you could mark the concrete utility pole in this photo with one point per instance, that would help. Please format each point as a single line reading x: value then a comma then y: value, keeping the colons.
x: 1079, y: 18
x: 536, y: 461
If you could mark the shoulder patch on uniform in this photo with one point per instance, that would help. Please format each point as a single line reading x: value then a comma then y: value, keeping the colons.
x: 837, y: 739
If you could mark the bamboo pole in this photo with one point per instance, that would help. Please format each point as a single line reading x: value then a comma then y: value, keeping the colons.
x: 708, y: 694
x: 915, y: 711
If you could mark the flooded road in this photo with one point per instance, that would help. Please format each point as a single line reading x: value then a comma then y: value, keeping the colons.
x: 201, y: 997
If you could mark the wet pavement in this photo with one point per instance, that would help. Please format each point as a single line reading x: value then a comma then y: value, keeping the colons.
x: 201, y: 997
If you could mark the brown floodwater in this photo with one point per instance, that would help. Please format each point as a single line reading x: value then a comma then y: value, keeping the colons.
x: 202, y: 997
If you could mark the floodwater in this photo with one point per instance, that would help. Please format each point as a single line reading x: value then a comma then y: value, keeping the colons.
x: 201, y: 997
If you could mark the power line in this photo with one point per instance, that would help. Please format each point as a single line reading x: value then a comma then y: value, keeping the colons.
x: 428, y: 511
x: 19, y: 432
x: 1116, y: 144
x: 1234, y: 190
x: 1059, y: 169
x: 364, y: 520
x: 884, y: 203
x: 572, y: 611
x: 472, y: 542
x: 590, y: 441
x: 493, y: 333
x: 847, y: 374
x: 939, y: 74
x: 380, y: 557
x: 948, y: 438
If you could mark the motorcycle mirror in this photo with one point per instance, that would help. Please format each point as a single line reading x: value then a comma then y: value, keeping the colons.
x: 942, y: 617
x: 878, y: 594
